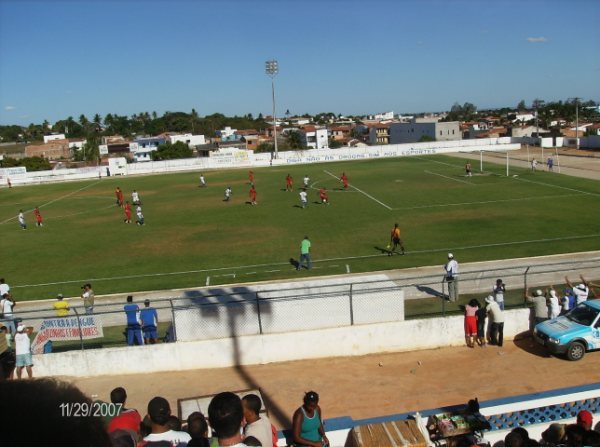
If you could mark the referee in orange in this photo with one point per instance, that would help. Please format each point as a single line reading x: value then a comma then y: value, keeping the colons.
x: 395, y: 241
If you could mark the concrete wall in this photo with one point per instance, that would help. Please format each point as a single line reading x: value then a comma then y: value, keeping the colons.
x: 241, y: 159
x: 260, y: 349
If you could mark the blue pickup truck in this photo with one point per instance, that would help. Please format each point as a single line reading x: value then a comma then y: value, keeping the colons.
x: 572, y: 334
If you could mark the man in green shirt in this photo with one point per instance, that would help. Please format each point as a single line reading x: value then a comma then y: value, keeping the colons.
x: 304, y: 254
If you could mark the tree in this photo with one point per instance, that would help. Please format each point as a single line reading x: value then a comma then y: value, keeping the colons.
x: 335, y: 144
x: 294, y: 140
x: 170, y: 151
x: 426, y: 138
x: 521, y: 105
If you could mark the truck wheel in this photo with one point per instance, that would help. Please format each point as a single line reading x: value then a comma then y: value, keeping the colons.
x: 576, y: 351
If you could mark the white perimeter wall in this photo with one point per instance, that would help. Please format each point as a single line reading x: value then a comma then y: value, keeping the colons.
x: 260, y: 349
x: 244, y: 158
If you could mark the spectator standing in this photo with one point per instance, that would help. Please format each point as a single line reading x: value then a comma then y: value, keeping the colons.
x: 225, y: 415
x: 4, y: 288
x: 540, y: 308
x: 7, y: 355
x: 471, y: 322
x: 134, y: 324
x: 60, y: 306
x: 159, y: 412
x: 581, y: 291
x: 305, y: 254
x: 307, y: 423
x: 149, y: 318
x: 7, y: 303
x: 553, y: 304
x: 257, y: 425
x: 23, y: 352
x: 127, y: 418
x: 497, y: 319
x: 567, y: 301
x: 481, y: 315
x: 88, y: 298
x: 451, y: 269
x: 498, y: 291
x: 21, y: 218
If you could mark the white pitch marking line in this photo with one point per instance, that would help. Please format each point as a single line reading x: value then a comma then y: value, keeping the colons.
x: 348, y: 258
x: 489, y: 201
x: 557, y: 186
x: 450, y: 178
x: 361, y: 191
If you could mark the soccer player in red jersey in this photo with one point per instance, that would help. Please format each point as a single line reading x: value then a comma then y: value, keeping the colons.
x: 344, y: 180
x: 251, y: 177
x: 323, y: 196
x: 289, y: 181
x: 38, y: 217
x: 127, y: 212
x: 119, y: 195
x: 252, y: 195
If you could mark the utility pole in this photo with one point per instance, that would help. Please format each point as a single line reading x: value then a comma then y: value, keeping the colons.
x: 577, y: 122
x: 272, y: 68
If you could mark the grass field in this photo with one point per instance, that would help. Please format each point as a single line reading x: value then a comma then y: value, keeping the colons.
x: 191, y: 234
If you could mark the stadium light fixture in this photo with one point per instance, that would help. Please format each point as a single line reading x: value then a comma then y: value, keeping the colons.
x: 272, y: 69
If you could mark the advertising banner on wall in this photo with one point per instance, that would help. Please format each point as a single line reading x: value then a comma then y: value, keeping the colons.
x: 66, y: 328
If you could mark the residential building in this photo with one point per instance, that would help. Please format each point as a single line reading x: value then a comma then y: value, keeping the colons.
x: 339, y: 133
x: 382, y: 116
x: 379, y: 133
x: 523, y: 117
x: 314, y: 137
x: 527, y: 131
x: 76, y: 144
x: 432, y: 131
x: 54, y: 137
x: 298, y: 121
x: 227, y: 134
x: 187, y: 138
x: 53, y: 150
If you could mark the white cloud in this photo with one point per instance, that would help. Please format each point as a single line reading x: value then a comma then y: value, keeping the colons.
x: 537, y: 39
x: 9, y: 108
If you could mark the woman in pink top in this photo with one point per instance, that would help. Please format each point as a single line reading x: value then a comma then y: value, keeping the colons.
x: 471, y: 322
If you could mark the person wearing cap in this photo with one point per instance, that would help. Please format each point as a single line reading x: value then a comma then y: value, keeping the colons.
x: 149, y: 318
x: 159, y: 412
x: 497, y: 320
x: 553, y: 304
x: 581, y: 291
x: 451, y: 269
x: 307, y: 425
x: 134, y: 323
x: 88, y: 298
x: 23, y: 352
x: 60, y: 306
x: 540, y: 309
x: 585, y: 420
x: 7, y: 303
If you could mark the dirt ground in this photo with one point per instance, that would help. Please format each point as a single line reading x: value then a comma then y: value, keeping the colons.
x: 360, y: 388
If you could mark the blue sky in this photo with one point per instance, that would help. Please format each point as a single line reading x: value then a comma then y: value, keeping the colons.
x: 60, y: 59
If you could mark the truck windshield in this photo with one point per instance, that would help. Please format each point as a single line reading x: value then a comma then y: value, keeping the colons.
x: 583, y: 314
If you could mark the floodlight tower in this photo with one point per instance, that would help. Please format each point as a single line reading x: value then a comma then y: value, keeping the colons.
x: 272, y: 68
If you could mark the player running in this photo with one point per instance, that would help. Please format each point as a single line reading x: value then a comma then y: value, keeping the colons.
x: 140, y: 216
x: 289, y: 181
x: 135, y: 198
x: 303, y: 198
x: 344, y: 179
x: 119, y: 195
x: 251, y: 177
x: 468, y: 172
x: 252, y: 195
x: 395, y: 241
x: 306, y: 181
x: 39, y: 221
x: 127, y: 213
x: 323, y: 196
x: 202, y: 181
x: 22, y: 220
x: 227, y: 194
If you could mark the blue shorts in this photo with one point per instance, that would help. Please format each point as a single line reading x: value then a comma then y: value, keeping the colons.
x: 24, y: 360
x: 150, y: 332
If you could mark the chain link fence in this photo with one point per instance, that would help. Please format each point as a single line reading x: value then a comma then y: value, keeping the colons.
x: 202, y: 315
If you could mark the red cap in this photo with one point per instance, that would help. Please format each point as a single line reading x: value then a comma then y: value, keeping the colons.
x: 584, y: 417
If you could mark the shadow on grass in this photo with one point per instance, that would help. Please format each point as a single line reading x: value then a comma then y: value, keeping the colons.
x: 384, y: 251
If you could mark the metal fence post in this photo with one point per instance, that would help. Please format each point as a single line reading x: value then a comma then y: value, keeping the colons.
x: 351, y: 307
x: 173, y: 325
x: 260, y: 329
x: 443, y: 298
x: 525, y: 278
x: 79, y: 327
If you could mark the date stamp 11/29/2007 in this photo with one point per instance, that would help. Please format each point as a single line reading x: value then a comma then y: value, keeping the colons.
x: 92, y: 409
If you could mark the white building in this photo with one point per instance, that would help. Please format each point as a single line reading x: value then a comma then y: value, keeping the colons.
x: 228, y: 132
x: 57, y: 136
x: 187, y: 138
x: 413, y: 132
x: 314, y: 138
x: 382, y: 116
x: 523, y: 117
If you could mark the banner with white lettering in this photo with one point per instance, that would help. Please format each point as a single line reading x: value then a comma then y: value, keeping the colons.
x: 66, y: 328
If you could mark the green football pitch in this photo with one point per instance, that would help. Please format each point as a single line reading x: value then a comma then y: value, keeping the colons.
x: 192, y: 236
